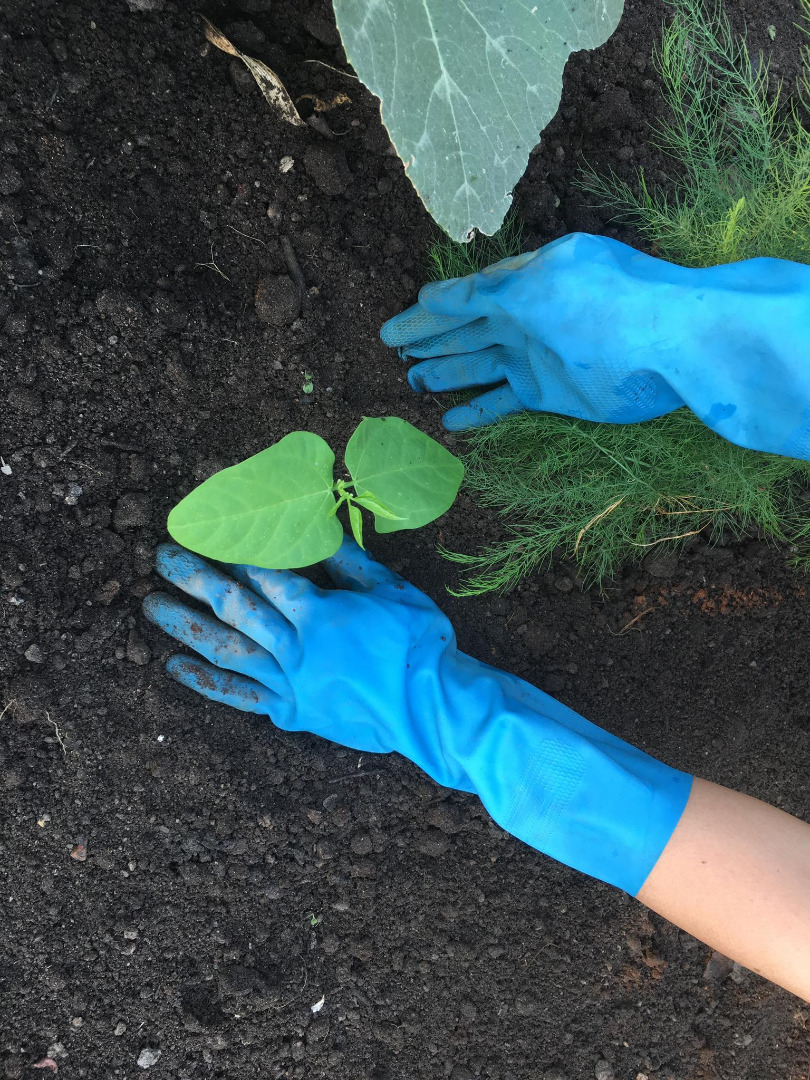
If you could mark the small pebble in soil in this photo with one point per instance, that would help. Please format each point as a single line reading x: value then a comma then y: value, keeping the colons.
x: 138, y: 652
x: 361, y: 844
x: 604, y: 1071
x: 278, y: 301
x: 10, y: 180
x: 79, y: 850
x: 34, y: 654
x: 120, y: 1028
x: 718, y: 968
x: 242, y: 80
x: 431, y: 842
x: 132, y: 511
x: 245, y: 35
x: 327, y: 166
x: 662, y: 566
x: 148, y: 1057
x: 254, y: 7
x: 106, y: 593
x: 563, y: 584
x: 16, y: 325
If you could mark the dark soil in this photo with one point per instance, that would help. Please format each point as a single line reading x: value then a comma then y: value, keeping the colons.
x: 235, y: 875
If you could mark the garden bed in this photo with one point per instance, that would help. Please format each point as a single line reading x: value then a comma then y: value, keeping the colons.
x: 235, y: 875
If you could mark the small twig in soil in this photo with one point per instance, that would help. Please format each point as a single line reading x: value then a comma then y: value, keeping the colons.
x: 55, y: 727
x: 632, y: 622
x: 247, y: 236
x: 213, y: 266
x: 345, y: 74
x: 595, y: 519
x: 83, y: 465
x: 286, y: 1004
x: 679, y: 536
x: 6, y: 707
x: 294, y: 268
x: 352, y: 775
x: 128, y: 448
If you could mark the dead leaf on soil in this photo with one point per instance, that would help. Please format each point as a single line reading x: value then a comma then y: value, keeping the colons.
x: 269, y: 83
x: 79, y: 850
x: 319, y: 105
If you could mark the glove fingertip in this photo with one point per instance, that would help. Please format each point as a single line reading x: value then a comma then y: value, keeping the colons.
x: 178, y: 666
x: 459, y: 419
x: 415, y: 379
x: 195, y: 674
x: 152, y: 605
x: 201, y: 676
x: 224, y: 687
x: 394, y: 332
x: 175, y: 563
x: 167, y: 549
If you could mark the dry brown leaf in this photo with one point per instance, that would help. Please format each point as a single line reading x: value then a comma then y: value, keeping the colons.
x: 319, y: 105
x: 269, y: 83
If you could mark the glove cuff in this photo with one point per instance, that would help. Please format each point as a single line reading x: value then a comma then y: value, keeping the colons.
x: 560, y: 783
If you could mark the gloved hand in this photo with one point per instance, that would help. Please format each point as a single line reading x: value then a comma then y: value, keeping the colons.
x: 591, y: 328
x: 373, y: 664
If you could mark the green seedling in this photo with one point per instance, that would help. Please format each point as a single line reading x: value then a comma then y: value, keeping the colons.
x: 278, y: 509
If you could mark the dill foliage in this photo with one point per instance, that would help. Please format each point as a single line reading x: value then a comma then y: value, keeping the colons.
x: 607, y: 494
x: 742, y: 154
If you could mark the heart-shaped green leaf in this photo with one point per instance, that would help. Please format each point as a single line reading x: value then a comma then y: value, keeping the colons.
x: 411, y: 475
x: 272, y: 510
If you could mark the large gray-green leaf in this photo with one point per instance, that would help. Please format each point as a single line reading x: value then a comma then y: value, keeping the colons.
x: 466, y: 88
x: 395, y: 464
x: 272, y: 510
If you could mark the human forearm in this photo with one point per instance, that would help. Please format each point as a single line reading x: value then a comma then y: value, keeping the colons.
x: 736, y: 874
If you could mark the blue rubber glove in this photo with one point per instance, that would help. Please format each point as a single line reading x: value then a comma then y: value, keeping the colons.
x: 591, y: 328
x: 373, y: 664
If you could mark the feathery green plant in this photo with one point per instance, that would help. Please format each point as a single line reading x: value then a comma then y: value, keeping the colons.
x: 604, y: 494
x: 449, y: 259
x: 743, y: 183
